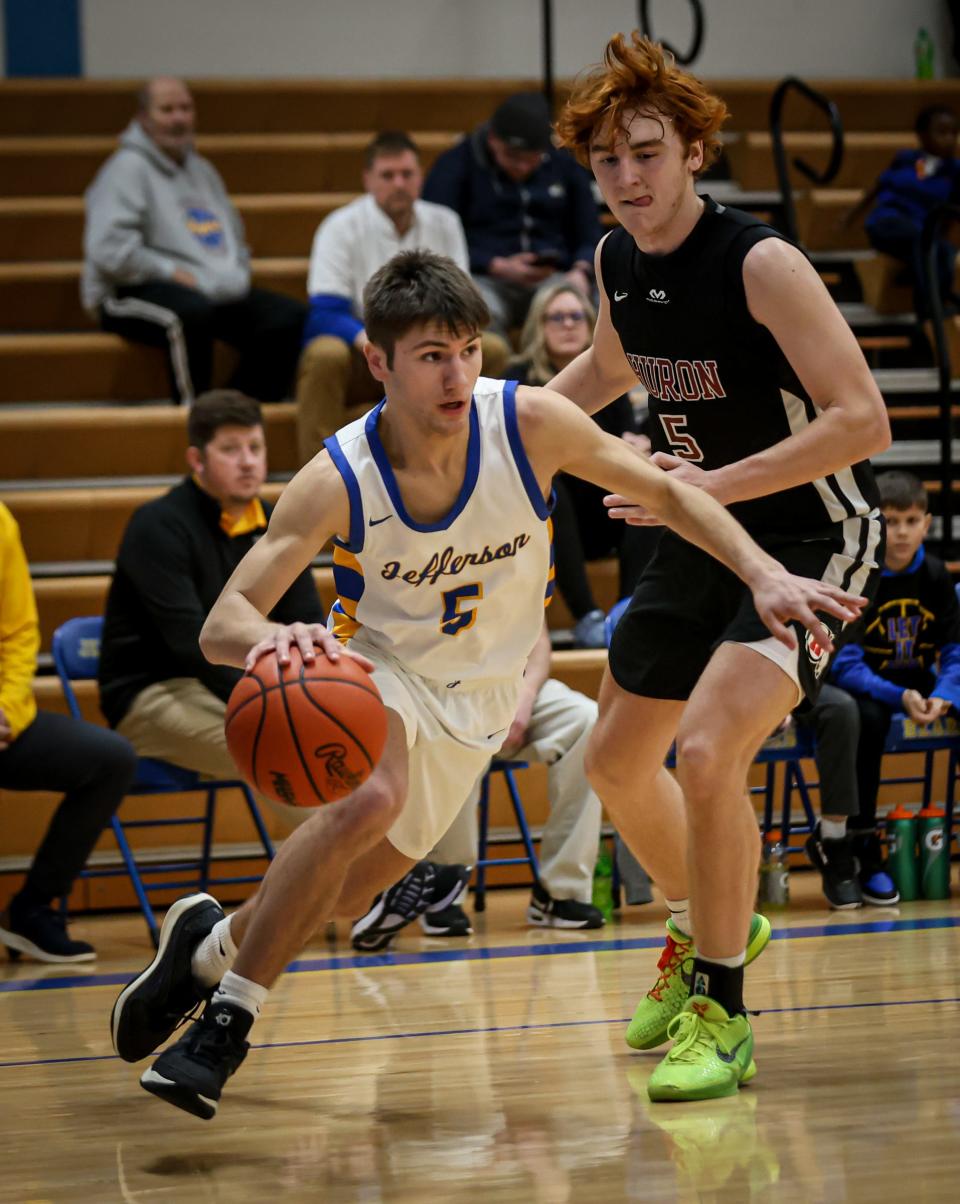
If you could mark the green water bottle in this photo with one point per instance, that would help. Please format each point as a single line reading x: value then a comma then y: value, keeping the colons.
x: 934, y: 854
x: 603, y: 881
x: 902, y: 852
x: 773, y: 893
x: 923, y: 54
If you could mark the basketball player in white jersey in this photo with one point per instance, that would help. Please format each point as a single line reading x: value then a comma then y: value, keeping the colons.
x: 438, y: 502
x: 760, y: 397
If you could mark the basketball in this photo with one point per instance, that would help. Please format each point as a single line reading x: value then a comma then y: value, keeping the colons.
x: 309, y: 734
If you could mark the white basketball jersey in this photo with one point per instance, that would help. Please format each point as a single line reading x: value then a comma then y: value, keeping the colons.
x: 461, y: 598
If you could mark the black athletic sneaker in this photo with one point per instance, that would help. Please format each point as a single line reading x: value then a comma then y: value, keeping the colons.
x: 449, y: 882
x: 447, y: 921
x: 192, y: 1072
x: 838, y: 869
x: 156, y: 1002
x: 546, y: 912
x: 393, y: 909
x: 41, y: 933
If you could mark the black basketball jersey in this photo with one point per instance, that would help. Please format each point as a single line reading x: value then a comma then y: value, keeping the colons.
x: 720, y: 387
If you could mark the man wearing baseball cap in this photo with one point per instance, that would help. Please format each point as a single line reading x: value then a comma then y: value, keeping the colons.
x: 527, y: 208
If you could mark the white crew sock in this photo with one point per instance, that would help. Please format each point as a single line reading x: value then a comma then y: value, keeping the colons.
x: 680, y: 914
x: 215, y: 954
x: 242, y: 993
x: 732, y: 962
x: 833, y: 829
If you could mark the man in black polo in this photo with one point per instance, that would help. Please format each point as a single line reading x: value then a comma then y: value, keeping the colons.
x: 177, y: 553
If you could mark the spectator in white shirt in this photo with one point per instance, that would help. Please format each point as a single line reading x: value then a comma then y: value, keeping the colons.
x: 351, y: 244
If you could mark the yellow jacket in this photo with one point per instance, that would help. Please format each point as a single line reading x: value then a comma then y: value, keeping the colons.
x: 19, y: 628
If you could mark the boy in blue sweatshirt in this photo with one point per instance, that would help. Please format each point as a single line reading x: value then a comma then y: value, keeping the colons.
x: 907, y: 658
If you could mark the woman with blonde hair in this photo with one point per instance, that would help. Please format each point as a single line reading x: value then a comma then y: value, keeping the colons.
x: 559, y: 326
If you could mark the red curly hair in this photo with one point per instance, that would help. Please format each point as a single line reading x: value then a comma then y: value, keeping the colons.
x: 637, y: 75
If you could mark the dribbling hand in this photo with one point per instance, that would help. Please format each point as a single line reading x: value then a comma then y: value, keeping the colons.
x: 783, y: 597
x: 308, y: 638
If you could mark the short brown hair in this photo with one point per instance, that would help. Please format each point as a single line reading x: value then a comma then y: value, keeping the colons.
x: 217, y: 408
x: 389, y: 142
x: 901, y: 491
x: 636, y: 76
x: 417, y: 287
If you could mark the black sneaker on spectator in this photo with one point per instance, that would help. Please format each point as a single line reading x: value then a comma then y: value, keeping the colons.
x: 153, y: 1004
x: 190, y: 1074
x: 393, y: 909
x: 41, y: 933
x: 546, y: 912
x: 838, y: 869
x: 427, y: 887
x: 590, y: 630
x: 449, y: 921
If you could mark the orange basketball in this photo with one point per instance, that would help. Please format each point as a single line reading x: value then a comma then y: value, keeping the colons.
x: 309, y: 735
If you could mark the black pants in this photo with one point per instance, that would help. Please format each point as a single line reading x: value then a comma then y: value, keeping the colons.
x: 582, y: 531
x: 93, y: 766
x: 265, y: 327
x: 835, y: 721
x: 874, y: 727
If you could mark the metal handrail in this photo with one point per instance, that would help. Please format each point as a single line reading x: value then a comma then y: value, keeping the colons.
x: 779, y: 151
x: 546, y: 30
x: 934, y: 302
x: 696, y: 45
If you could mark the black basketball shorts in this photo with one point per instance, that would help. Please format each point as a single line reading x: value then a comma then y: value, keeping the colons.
x: 686, y: 604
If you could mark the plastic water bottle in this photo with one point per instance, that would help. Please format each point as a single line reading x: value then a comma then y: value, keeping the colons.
x: 934, y: 854
x: 902, y: 852
x: 603, y: 882
x: 774, y: 891
x: 923, y: 54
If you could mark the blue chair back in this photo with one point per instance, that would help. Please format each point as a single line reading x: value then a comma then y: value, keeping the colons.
x: 613, y: 618
x: 76, y: 655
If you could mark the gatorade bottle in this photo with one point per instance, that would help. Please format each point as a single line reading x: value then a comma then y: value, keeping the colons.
x: 774, y: 889
x: 934, y: 854
x: 902, y: 852
x: 603, y: 882
x: 923, y: 54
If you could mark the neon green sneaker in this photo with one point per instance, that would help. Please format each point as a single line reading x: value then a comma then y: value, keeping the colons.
x: 711, y: 1057
x: 670, y: 992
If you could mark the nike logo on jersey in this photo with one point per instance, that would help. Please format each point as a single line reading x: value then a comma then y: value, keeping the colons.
x: 375, y: 522
x: 658, y: 297
x: 496, y: 733
x: 619, y: 296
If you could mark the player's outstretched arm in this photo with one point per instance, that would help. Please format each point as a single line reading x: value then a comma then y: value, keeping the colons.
x: 601, y: 373
x: 311, y: 509
x: 559, y: 437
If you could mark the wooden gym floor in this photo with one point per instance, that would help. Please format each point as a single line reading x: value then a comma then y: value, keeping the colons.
x: 494, y: 1069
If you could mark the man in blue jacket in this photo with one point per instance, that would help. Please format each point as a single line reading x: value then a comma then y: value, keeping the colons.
x: 527, y: 208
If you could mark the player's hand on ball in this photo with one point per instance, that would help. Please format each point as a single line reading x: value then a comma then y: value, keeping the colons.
x: 308, y: 637
x: 782, y: 597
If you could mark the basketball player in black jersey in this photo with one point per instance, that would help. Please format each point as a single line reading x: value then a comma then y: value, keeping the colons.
x: 759, y: 395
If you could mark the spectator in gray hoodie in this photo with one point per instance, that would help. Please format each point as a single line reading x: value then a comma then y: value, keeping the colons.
x: 166, y: 262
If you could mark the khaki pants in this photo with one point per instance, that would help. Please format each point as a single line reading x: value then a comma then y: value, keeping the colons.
x: 181, y: 721
x: 334, y: 386
x: 557, y: 737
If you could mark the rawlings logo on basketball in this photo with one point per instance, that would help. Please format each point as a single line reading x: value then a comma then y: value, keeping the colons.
x: 817, y: 654
x: 335, y: 766
x: 281, y: 787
